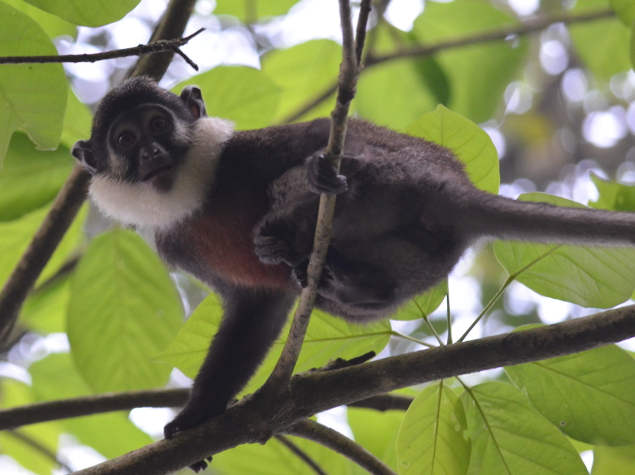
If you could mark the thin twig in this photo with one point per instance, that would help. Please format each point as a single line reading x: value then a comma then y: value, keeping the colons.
x: 73, y: 194
x: 349, y: 71
x: 150, y: 48
x: 34, y: 444
x: 501, y: 34
x: 335, y: 441
x: 302, y: 455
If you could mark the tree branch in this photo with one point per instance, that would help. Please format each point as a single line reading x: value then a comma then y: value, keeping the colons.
x: 302, y: 455
x: 150, y: 48
x: 255, y: 419
x: 501, y: 34
x: 382, y: 403
x: 88, y: 405
x: 311, y: 430
x: 349, y: 72
x: 72, y: 195
x: 40, y: 448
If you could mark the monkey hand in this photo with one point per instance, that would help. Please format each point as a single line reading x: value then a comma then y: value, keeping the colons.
x: 323, y: 176
x: 278, y: 240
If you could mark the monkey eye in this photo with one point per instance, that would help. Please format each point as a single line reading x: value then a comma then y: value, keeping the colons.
x: 126, y: 139
x: 158, y: 124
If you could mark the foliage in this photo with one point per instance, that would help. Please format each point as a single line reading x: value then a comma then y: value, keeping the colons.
x: 122, y: 312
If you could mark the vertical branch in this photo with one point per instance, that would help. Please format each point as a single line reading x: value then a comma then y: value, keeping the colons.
x: 349, y: 72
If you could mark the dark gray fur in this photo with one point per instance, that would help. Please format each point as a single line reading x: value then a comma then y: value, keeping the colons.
x: 405, y: 214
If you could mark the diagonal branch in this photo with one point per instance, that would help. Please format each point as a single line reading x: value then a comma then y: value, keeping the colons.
x: 73, y: 194
x: 349, y: 72
x: 311, y: 430
x: 34, y: 444
x: 158, y: 46
x: 500, y: 34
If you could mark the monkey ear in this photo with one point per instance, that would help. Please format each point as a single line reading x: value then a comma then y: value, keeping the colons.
x: 83, y: 151
x: 193, y: 99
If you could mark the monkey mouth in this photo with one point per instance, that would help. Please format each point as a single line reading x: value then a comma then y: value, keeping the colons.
x: 155, y: 173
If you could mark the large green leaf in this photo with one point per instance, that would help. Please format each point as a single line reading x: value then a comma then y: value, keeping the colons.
x: 12, y: 394
x: 613, y: 196
x: 376, y: 432
x: 30, y: 179
x: 123, y: 309
x: 613, y: 460
x: 625, y: 10
x: 478, y: 74
x: 275, y: 459
x: 424, y: 304
x: 87, y: 12
x: 304, y: 72
x: 250, y: 10
x: 45, y: 308
x: 467, y: 140
x: 432, y: 438
x: 510, y: 437
x: 602, y: 45
x: 16, y: 235
x: 33, y: 95
x: 590, y: 395
x: 381, y: 102
x: 245, y: 95
x: 588, y: 276
x: 52, y: 25
x: 56, y: 378
x: 327, y: 338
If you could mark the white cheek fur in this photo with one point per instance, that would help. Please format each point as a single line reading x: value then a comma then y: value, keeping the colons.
x: 141, y: 205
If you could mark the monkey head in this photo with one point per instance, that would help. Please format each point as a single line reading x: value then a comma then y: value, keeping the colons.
x: 149, y: 145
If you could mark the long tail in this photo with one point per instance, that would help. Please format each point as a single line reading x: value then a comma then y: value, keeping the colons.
x: 504, y: 218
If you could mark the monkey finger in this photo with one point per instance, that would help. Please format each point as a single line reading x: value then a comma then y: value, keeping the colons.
x: 199, y: 466
x: 323, y: 176
x: 271, y: 250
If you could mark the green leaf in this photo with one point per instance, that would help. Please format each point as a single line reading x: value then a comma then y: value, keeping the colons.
x: 123, y: 309
x: 424, y: 304
x: 30, y: 179
x: 16, y: 235
x: 249, y: 10
x: 613, y: 460
x: 625, y: 10
x: 613, y: 196
x: 327, y: 338
x: 14, y: 393
x: 511, y: 437
x: 245, y: 95
x: 77, y: 121
x: 34, y: 95
x: 376, y: 432
x: 432, y: 438
x: 275, y: 459
x: 590, y: 396
x: 54, y: 378
x: 587, y: 276
x: 303, y: 73
x: 378, y: 100
x: 52, y: 25
x: 45, y: 308
x: 602, y: 45
x: 478, y: 74
x: 87, y: 12
x: 467, y: 140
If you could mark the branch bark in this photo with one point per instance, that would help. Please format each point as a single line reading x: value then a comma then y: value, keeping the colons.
x: 341, y: 444
x: 253, y: 419
x: 73, y: 194
x: 349, y: 72
x: 141, y: 50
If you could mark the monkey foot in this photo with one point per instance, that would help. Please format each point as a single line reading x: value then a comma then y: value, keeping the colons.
x: 323, y: 177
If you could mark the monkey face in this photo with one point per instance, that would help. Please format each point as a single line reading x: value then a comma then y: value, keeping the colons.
x: 147, y: 145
